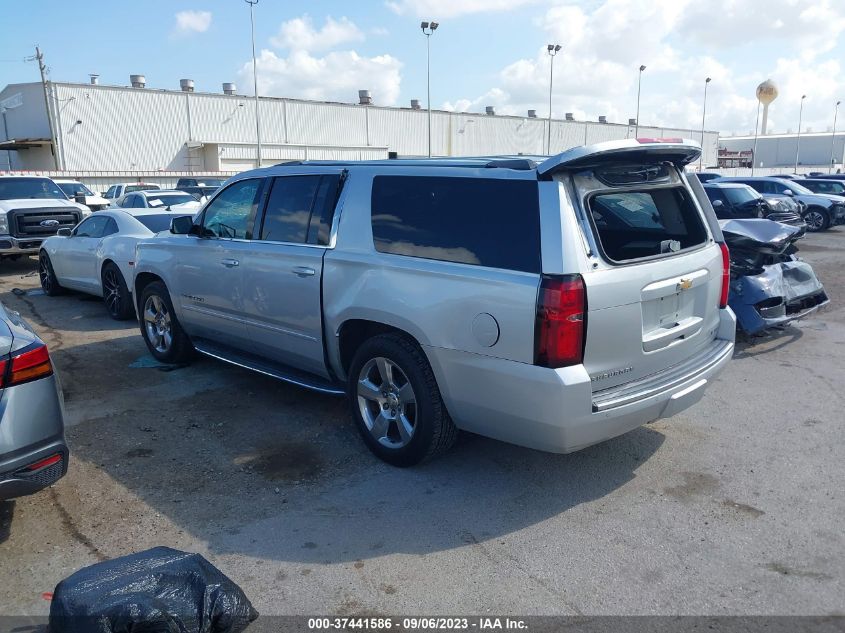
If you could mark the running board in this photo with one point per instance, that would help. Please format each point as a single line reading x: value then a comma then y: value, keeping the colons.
x: 268, y: 368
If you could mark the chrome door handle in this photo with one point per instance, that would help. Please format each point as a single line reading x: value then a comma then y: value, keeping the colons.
x: 304, y: 271
x: 230, y: 263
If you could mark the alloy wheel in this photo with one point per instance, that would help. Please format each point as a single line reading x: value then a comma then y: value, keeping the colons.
x: 157, y: 324
x: 44, y: 274
x: 815, y: 220
x: 111, y: 291
x: 387, y: 402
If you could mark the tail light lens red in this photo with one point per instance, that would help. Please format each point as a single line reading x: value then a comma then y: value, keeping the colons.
x: 726, y: 275
x: 30, y: 363
x: 561, y: 321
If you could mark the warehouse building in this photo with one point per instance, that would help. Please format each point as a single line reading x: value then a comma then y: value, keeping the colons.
x: 85, y: 128
x: 818, y: 150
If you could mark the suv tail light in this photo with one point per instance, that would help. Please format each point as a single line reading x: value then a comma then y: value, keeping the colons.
x: 726, y: 275
x: 561, y: 321
x: 30, y: 363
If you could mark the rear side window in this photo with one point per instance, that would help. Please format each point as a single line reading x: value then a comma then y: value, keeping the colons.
x: 300, y: 209
x: 481, y: 221
x: 648, y: 223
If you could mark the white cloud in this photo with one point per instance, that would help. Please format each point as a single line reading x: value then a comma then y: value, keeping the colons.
x: 300, y: 34
x: 193, y: 21
x: 681, y: 42
x: 440, y: 9
x: 337, y: 76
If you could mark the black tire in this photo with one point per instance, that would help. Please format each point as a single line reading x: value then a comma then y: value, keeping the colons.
x: 433, y: 431
x: 116, y: 296
x: 817, y: 219
x: 179, y: 350
x: 49, y: 283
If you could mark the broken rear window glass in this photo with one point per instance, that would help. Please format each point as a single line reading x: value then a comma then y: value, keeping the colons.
x: 648, y: 223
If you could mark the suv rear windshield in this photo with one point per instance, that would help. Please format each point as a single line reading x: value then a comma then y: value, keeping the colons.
x: 481, y: 221
x: 647, y: 223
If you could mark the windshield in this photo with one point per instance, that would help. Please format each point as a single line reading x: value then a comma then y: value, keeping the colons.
x: 73, y: 188
x: 210, y: 182
x: 740, y: 195
x: 158, y: 222
x: 15, y: 188
x: 166, y: 200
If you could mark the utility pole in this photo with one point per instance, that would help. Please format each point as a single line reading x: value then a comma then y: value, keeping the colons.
x: 39, y: 57
x: 252, y: 4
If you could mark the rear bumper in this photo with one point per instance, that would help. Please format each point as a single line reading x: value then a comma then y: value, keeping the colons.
x: 31, y: 430
x: 557, y: 410
x: 19, y: 246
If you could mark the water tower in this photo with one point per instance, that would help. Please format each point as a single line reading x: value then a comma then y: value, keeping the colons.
x: 766, y: 93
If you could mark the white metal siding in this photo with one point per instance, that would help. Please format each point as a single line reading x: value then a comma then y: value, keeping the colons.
x: 145, y: 129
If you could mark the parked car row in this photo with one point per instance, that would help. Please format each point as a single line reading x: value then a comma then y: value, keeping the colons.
x: 819, y: 208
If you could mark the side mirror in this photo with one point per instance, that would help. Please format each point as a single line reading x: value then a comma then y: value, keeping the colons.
x: 182, y: 225
x: 788, y: 192
x: 717, y: 204
x: 79, y: 198
x: 64, y: 232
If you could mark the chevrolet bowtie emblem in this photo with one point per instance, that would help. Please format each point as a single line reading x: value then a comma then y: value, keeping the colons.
x: 685, y: 284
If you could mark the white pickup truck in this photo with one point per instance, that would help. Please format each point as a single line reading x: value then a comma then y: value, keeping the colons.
x: 33, y: 208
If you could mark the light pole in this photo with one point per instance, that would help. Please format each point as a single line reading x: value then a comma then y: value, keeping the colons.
x: 552, y: 49
x: 833, y: 137
x: 252, y: 4
x: 798, y: 139
x: 703, y: 115
x: 754, y: 151
x: 428, y: 28
x: 639, y: 85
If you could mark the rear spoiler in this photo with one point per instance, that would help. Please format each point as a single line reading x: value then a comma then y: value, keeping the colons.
x: 679, y: 151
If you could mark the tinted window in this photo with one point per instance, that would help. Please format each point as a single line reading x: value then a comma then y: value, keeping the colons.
x: 289, y: 209
x: 321, y: 219
x: 112, y: 192
x: 740, y: 195
x: 110, y: 227
x: 634, y: 224
x: 232, y: 212
x: 482, y: 221
x: 92, y: 227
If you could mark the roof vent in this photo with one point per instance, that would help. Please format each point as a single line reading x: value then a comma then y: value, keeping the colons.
x: 138, y: 81
x: 364, y: 97
x: 95, y: 79
x: 632, y: 121
x: 532, y: 114
x: 602, y: 119
x: 490, y: 110
x: 187, y: 85
x: 415, y: 104
x: 229, y: 88
x: 570, y: 116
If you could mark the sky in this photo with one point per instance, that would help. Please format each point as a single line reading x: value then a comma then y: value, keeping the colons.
x: 485, y: 52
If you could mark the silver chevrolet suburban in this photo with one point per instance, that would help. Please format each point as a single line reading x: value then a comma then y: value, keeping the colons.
x: 548, y: 302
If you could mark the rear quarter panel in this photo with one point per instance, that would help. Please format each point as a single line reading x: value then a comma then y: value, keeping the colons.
x: 436, y: 302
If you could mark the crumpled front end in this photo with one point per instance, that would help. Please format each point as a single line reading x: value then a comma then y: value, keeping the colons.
x: 781, y: 293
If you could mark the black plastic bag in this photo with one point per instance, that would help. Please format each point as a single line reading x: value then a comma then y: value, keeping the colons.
x: 159, y: 590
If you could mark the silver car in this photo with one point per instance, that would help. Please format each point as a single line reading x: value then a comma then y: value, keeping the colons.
x: 33, y: 451
x: 551, y: 302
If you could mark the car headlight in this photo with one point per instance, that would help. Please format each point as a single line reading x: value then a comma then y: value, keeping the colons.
x: 4, y: 224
